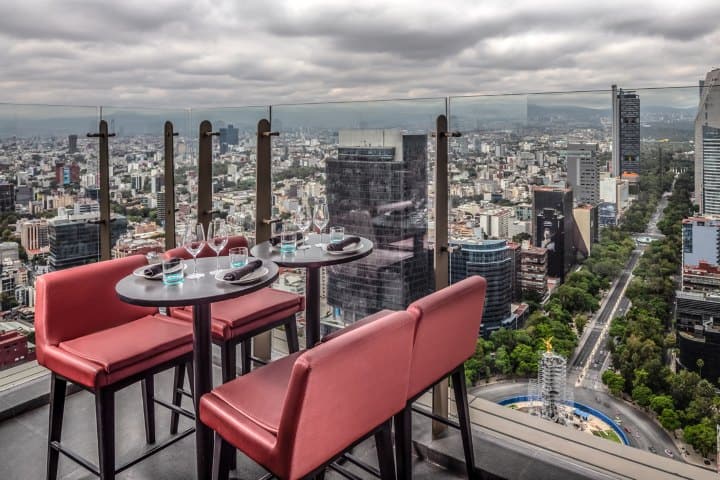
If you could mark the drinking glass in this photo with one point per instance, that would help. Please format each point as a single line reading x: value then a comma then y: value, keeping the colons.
x: 173, y: 271
x: 303, y: 221
x: 337, y: 234
x: 194, y: 241
x: 321, y: 218
x: 288, y: 239
x: 217, y: 238
x: 238, y: 257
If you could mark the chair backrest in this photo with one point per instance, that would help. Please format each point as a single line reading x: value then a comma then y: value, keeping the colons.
x: 234, y: 241
x: 82, y: 300
x: 341, y: 390
x: 448, y: 323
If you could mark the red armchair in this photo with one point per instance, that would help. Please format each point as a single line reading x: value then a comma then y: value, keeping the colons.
x: 448, y: 324
x: 299, y: 413
x: 237, y: 321
x: 87, y: 336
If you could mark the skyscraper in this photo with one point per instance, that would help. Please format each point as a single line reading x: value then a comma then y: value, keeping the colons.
x: 583, y: 172
x: 228, y: 136
x: 490, y: 259
x: 553, y: 227
x: 708, y: 115
x: 711, y: 170
x: 74, y: 241
x: 377, y: 188
x: 72, y: 143
x: 626, y: 132
x: 7, y: 197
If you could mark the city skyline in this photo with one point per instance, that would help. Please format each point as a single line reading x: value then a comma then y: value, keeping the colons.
x: 134, y: 54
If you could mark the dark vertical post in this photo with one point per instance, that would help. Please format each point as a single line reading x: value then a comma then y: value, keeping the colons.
x: 202, y: 351
x: 262, y: 344
x: 104, y: 167
x: 440, y: 391
x: 205, y: 173
x: 169, y: 186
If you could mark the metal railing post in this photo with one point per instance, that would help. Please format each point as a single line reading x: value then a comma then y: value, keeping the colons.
x: 169, y: 186
x: 262, y: 344
x: 205, y: 173
x: 104, y: 167
x: 440, y: 391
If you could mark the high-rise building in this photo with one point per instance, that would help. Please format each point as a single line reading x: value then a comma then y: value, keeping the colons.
x: 532, y: 270
x: 553, y: 227
x: 490, y: 259
x: 626, y: 132
x: 72, y: 143
x: 711, y: 169
x: 7, y: 197
x: 701, y: 240
x: 586, y: 228
x: 160, y: 199
x: 74, y: 241
x: 708, y: 115
x: 385, y: 201
x: 228, y: 136
x: 583, y: 173
x: 34, y: 234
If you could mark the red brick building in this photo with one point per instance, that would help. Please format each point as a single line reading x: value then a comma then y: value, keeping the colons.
x: 14, y: 349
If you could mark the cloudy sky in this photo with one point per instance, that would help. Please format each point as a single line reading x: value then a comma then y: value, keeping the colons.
x: 233, y: 52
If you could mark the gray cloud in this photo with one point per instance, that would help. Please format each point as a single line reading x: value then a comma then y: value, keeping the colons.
x: 224, y: 53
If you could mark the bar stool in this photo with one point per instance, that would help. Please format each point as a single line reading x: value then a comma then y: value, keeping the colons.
x: 448, y: 324
x: 297, y: 414
x: 237, y: 321
x: 87, y: 336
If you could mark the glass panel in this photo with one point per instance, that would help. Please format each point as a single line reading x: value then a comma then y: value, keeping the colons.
x: 48, y: 165
x: 373, y: 165
x: 234, y: 164
x: 137, y: 175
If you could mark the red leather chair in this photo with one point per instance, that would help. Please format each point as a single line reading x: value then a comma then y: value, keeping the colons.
x: 297, y: 414
x: 237, y: 321
x: 87, y: 336
x: 448, y: 323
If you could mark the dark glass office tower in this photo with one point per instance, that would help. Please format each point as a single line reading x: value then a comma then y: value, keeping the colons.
x: 228, y: 136
x: 626, y: 132
x: 377, y: 188
x: 75, y: 241
x: 554, y: 226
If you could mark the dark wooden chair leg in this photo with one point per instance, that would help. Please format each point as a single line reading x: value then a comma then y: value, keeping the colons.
x: 383, y: 444
x: 291, y: 334
x: 148, y: 396
x: 403, y: 443
x: 246, y: 356
x: 191, y: 377
x: 178, y: 384
x: 222, y: 454
x: 228, y: 359
x: 461, y: 401
x: 58, y: 389
x: 105, y: 417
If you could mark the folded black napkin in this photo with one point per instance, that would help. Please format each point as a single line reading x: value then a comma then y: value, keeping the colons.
x: 340, y: 246
x: 238, y: 273
x: 156, y: 269
x: 275, y: 241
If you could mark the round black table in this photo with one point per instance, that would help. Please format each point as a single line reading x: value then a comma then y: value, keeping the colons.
x: 199, y: 293
x: 312, y: 259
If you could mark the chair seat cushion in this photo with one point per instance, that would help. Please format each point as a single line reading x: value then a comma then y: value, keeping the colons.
x: 242, y: 315
x: 116, y: 348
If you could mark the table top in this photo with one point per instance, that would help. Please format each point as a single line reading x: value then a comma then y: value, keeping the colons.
x: 312, y: 257
x: 153, y: 293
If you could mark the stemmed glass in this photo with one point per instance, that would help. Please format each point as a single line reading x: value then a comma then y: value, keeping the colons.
x: 303, y: 221
x: 321, y: 218
x: 193, y: 241
x: 217, y: 238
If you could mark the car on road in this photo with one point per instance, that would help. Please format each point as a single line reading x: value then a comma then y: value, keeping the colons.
x: 652, y: 449
x: 669, y: 453
x: 627, y: 430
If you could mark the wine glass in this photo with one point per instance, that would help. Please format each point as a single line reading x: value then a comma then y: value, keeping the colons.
x: 321, y: 218
x: 194, y: 241
x: 217, y: 238
x: 303, y: 221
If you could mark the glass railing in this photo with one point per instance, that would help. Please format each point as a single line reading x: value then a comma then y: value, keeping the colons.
x: 510, y: 214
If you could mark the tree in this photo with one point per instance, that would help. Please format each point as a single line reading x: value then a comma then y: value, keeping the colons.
x: 701, y: 436
x: 660, y: 402
x: 700, y: 364
x: 670, y: 419
x: 614, y: 381
x: 642, y: 395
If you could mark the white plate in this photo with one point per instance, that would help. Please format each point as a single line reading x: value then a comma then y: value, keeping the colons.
x: 138, y: 272
x: 352, y: 248
x: 249, y: 278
